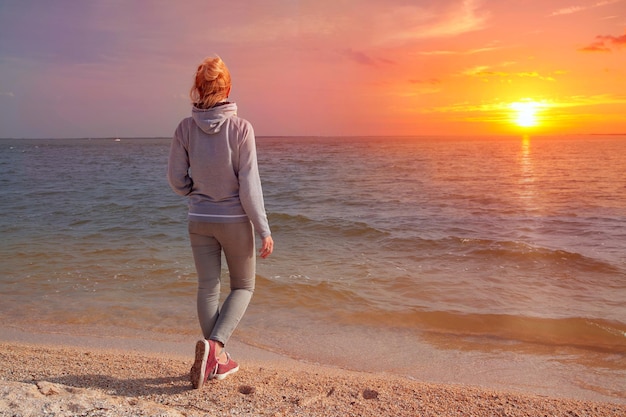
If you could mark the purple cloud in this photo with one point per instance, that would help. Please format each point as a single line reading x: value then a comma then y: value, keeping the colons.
x: 363, y: 58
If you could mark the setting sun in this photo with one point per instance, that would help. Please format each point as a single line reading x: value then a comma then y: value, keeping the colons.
x: 526, y: 113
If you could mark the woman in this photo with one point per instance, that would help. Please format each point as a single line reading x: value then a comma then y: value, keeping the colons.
x: 213, y: 162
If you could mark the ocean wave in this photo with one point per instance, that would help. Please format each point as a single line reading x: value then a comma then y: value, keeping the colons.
x: 503, y: 252
x: 580, y: 332
x: 351, y: 305
x: 345, y: 305
x: 330, y: 226
x: 292, y: 291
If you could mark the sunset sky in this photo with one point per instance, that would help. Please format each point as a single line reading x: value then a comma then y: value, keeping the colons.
x: 316, y: 67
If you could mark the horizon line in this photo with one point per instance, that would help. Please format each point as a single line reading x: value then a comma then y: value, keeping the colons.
x: 323, y: 136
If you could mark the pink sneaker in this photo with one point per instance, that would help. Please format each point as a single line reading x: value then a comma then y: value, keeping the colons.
x: 205, y: 363
x: 225, y: 369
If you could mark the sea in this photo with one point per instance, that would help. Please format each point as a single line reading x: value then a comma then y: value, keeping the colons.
x: 490, y: 261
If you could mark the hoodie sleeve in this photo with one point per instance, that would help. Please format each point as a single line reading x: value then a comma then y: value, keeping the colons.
x: 178, y: 163
x: 250, y: 191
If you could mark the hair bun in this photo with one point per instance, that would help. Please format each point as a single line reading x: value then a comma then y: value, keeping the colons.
x: 212, y: 82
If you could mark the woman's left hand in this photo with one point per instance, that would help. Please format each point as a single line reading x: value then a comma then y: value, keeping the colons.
x: 267, y: 247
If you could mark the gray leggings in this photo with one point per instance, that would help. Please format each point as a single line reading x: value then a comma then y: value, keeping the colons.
x: 207, y: 242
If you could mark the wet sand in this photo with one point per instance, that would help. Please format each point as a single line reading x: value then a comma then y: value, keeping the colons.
x: 38, y: 379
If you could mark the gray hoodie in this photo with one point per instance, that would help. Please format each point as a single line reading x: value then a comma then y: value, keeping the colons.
x: 213, y: 162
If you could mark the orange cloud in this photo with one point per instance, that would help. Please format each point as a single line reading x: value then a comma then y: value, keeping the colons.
x: 576, y: 9
x: 499, y: 106
x: 412, y: 22
x: 432, y: 81
x: 467, y: 52
x: 605, y: 43
x: 485, y: 72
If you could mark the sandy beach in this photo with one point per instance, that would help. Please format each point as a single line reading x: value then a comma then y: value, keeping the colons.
x: 37, y: 379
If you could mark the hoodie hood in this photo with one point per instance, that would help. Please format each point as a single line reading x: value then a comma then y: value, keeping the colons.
x: 211, y: 120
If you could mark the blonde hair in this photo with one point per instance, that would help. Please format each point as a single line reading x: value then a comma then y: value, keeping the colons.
x: 212, y: 83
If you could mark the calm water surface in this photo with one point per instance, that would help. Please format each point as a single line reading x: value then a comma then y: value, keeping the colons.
x: 408, y: 249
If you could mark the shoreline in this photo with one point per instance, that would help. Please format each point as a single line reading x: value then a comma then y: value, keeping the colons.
x: 487, y: 366
x: 80, y: 375
x: 68, y: 381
